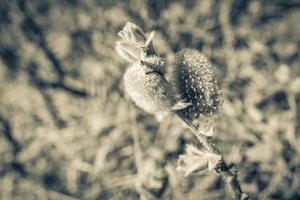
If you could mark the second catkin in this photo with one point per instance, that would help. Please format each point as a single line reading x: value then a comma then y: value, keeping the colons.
x: 194, y: 80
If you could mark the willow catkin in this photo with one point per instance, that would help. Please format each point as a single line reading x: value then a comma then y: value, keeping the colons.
x: 194, y: 81
x: 144, y: 79
x: 150, y: 91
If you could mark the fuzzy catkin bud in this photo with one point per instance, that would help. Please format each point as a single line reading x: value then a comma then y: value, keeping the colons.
x: 150, y: 91
x: 194, y: 80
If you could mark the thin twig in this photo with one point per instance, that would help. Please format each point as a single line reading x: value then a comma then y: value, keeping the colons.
x: 222, y: 169
x: 202, y: 138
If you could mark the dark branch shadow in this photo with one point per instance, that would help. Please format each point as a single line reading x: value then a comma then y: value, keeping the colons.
x: 5, y: 128
x: 34, y: 33
x: 40, y: 85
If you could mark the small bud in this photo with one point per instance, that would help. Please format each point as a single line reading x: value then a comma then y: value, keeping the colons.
x: 197, y: 160
x: 145, y: 80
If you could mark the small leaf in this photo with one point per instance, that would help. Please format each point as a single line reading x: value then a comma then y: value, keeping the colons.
x: 129, y: 51
x: 180, y: 105
x: 132, y: 33
x: 197, y: 160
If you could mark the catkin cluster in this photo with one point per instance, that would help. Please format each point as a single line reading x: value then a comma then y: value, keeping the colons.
x: 192, y: 91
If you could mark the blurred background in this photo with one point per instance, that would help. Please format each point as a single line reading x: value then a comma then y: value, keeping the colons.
x: 68, y: 131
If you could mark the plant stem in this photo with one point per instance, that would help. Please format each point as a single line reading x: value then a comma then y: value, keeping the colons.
x: 202, y: 138
x: 231, y: 179
x: 229, y: 176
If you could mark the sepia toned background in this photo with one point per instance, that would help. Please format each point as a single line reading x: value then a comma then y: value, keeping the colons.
x: 68, y: 130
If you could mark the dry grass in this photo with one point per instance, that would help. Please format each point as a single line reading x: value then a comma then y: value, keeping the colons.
x: 68, y: 131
